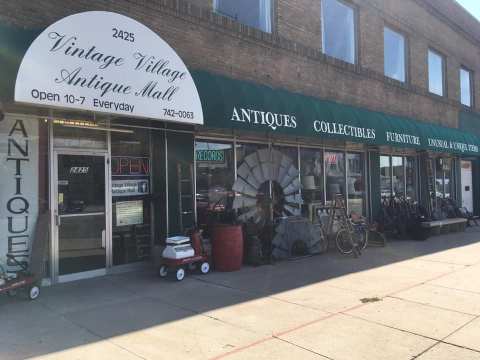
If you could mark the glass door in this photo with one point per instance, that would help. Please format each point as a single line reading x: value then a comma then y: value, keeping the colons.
x: 80, y: 215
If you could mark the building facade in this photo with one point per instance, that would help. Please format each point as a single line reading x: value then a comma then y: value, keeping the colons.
x: 277, y: 106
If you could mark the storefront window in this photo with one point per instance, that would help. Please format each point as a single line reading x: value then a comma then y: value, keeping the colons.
x: 252, y: 189
x: 312, y: 175
x: 334, y: 174
x: 431, y: 181
x: 444, y: 178
x: 411, y: 178
x: 356, y: 183
x: 131, y: 200
x: 215, y: 178
x: 448, y: 179
x: 66, y: 136
x: 385, y: 177
x: 285, y: 193
x: 398, y: 176
x: 439, y: 188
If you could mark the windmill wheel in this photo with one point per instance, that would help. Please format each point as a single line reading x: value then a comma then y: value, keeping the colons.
x: 259, y: 171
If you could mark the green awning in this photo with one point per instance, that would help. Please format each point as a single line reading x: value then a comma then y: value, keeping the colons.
x: 234, y: 104
x: 240, y: 105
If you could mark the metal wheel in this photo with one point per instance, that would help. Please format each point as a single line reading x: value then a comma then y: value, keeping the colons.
x: 344, y: 242
x: 33, y: 292
x: 180, y: 274
x: 361, y: 238
x: 163, y: 271
x: 205, y: 268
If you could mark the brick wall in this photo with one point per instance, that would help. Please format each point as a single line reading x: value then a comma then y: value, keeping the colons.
x: 290, y: 57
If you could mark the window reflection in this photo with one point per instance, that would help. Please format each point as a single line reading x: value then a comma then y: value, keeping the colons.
x: 131, y: 196
x: 435, y: 73
x: 338, y: 30
x: 335, y: 174
x: 439, y: 188
x: 394, y: 55
x: 356, y: 183
x: 411, y: 180
x: 448, y: 179
x: 385, y: 177
x: 398, y: 176
x: 465, y: 87
x: 312, y: 175
x: 215, y: 177
x: 444, y: 178
x: 255, y: 13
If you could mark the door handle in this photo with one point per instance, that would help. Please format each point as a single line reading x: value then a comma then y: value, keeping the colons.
x: 103, y: 239
x: 58, y: 220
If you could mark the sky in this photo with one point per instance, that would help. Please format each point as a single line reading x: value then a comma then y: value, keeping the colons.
x: 473, y: 6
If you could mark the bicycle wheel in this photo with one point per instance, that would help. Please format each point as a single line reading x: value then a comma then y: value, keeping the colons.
x: 344, y: 242
x: 361, y: 237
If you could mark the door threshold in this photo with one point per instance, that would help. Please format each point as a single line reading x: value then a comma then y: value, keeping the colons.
x: 82, y: 275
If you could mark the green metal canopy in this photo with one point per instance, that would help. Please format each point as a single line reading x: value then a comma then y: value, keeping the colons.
x: 235, y: 104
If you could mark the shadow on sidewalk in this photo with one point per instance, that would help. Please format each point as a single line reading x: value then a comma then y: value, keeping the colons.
x: 88, y: 311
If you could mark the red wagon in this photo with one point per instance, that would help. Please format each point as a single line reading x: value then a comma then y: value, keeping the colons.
x: 22, y: 279
x: 193, y: 257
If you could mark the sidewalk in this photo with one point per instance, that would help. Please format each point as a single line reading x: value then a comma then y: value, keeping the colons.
x: 409, y: 300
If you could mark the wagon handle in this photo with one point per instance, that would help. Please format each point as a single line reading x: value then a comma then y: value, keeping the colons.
x: 18, y: 263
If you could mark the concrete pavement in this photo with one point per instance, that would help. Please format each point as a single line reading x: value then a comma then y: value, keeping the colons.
x: 409, y: 300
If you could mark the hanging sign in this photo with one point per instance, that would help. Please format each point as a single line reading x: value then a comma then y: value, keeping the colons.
x: 106, y: 62
x: 130, y: 187
x: 18, y: 186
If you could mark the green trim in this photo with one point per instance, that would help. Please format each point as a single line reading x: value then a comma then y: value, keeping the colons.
x: 241, y: 105
x: 475, y: 185
x: 374, y: 178
x: 14, y: 43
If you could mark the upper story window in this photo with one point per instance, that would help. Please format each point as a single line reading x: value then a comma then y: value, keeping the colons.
x: 435, y: 73
x: 254, y: 13
x: 338, y: 25
x: 465, y: 87
x: 394, y: 54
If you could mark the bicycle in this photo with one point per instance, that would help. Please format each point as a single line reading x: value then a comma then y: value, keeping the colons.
x: 350, y: 238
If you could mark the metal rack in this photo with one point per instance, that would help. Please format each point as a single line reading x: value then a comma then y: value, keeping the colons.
x: 186, y: 198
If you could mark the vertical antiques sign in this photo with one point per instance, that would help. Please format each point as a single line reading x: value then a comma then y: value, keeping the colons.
x: 18, y: 186
x: 106, y: 62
